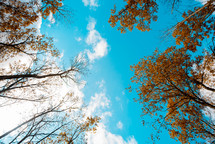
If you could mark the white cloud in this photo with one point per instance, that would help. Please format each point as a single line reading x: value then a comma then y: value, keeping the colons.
x: 91, y: 3
x: 91, y: 25
x: 105, y: 115
x: 94, y: 39
x: 101, y: 83
x: 119, y: 125
x: 78, y: 39
x: 99, y: 105
x: 117, y: 98
x: 51, y: 18
x: 204, y: 2
x: 102, y: 136
x: 98, y: 102
x: 123, y: 92
x: 132, y: 140
x: 38, y: 24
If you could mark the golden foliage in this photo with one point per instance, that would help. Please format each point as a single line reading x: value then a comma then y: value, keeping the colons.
x: 173, y: 79
x: 16, y: 20
x: 169, y: 80
x: 138, y: 13
x: 196, y: 26
x: 34, y: 80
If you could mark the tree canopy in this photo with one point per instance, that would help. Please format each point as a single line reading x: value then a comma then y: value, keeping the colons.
x: 30, y: 71
x: 167, y: 82
x: 197, y: 23
x: 176, y: 86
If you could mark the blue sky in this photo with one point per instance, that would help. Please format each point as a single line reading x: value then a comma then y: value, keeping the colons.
x: 110, y: 55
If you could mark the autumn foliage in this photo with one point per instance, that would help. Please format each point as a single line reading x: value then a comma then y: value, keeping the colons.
x: 17, y: 32
x: 167, y: 82
x: 198, y: 24
x: 30, y: 72
x: 138, y: 13
x: 176, y: 86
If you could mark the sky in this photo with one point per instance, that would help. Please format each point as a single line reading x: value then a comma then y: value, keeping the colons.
x: 109, y: 54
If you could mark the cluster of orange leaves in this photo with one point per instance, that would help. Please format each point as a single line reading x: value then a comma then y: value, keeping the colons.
x: 51, y: 6
x: 138, y: 13
x: 167, y: 80
x: 172, y: 79
x: 16, y: 18
x: 196, y: 28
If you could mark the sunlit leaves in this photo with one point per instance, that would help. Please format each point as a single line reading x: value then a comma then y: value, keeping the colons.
x: 32, y: 79
x: 167, y: 82
x: 138, y: 13
x: 50, y: 6
x: 16, y: 31
x: 196, y: 26
x: 15, y: 14
x: 171, y: 81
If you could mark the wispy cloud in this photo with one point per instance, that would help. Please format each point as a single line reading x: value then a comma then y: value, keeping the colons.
x: 202, y: 1
x: 96, y: 41
x: 101, y: 83
x: 119, y: 125
x: 102, y: 136
x: 38, y: 24
x: 51, y: 19
x: 98, y: 101
x: 91, y: 3
x: 99, y: 105
x: 78, y: 39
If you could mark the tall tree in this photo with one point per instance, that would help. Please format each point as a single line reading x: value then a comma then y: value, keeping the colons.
x: 197, y: 23
x: 175, y: 81
x: 32, y: 78
x: 169, y: 88
x: 16, y: 30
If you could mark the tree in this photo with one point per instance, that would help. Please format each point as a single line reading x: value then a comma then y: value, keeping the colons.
x: 16, y: 14
x: 168, y: 83
x: 75, y: 133
x: 55, y: 128
x: 140, y: 13
x: 175, y: 86
x: 17, y: 33
x: 135, y: 12
x: 197, y: 25
x: 30, y: 74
